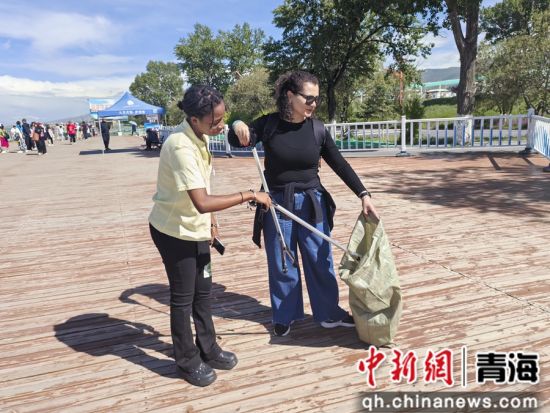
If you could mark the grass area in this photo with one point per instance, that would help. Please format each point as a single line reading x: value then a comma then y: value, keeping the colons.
x: 446, y: 108
x: 362, y: 144
x: 440, y: 111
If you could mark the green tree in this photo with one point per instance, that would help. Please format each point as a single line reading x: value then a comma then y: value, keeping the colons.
x: 159, y: 85
x: 343, y: 39
x: 217, y: 60
x: 378, y: 96
x: 381, y: 96
x: 346, y: 95
x: 174, y: 115
x: 519, y: 67
x: 465, y: 13
x: 250, y: 96
x: 243, y: 48
x: 510, y: 18
x: 201, y: 57
x: 413, y: 107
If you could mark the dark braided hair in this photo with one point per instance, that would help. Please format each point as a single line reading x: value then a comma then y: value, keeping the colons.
x: 293, y: 81
x: 200, y: 100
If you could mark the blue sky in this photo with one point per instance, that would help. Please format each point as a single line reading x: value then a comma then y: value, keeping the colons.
x: 56, y: 54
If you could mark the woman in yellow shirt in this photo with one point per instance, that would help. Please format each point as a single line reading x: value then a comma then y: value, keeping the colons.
x: 182, y: 227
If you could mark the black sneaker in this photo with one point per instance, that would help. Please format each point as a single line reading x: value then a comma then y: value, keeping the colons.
x: 280, y: 330
x: 347, y: 321
x: 225, y: 361
x: 201, y: 376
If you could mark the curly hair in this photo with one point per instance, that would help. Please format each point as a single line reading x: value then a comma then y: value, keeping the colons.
x: 293, y: 81
x: 200, y: 100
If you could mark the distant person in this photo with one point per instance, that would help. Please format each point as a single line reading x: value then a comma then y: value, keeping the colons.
x: 4, y: 142
x: 78, y: 131
x: 26, y: 129
x: 17, y: 136
x: 151, y: 138
x: 14, y: 133
x: 49, y: 133
x: 41, y: 138
x: 105, y: 133
x: 71, y: 131
x: 59, y: 132
x: 134, y: 129
x: 84, y: 128
x: 22, y: 142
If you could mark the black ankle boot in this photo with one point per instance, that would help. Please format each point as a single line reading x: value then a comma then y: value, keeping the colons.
x: 225, y: 361
x: 201, y: 376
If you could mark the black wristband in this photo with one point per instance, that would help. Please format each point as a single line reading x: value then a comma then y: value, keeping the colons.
x: 364, y: 194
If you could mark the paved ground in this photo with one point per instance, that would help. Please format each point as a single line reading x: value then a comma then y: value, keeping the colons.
x: 83, y: 294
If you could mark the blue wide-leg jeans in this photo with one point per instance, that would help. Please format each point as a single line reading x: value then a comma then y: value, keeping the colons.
x: 286, y: 289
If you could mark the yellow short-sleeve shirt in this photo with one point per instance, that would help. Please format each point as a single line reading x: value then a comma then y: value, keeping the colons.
x: 185, y: 163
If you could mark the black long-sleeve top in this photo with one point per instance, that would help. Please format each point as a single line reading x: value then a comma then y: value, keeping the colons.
x: 292, y: 155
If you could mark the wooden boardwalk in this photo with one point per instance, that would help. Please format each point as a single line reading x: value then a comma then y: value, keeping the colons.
x: 84, y: 300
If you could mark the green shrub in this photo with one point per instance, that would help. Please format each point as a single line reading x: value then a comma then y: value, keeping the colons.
x: 414, y: 107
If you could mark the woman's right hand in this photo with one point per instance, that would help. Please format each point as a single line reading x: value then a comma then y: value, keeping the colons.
x: 242, y: 132
x: 263, y: 198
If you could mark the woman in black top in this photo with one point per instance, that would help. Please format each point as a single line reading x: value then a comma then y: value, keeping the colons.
x: 41, y: 142
x: 293, y: 149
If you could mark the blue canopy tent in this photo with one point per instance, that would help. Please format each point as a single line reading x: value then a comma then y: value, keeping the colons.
x: 129, y: 105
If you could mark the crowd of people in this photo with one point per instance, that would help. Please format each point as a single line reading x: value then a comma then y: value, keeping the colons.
x: 37, y: 136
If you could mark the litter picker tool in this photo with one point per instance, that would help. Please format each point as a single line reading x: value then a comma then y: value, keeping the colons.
x: 299, y: 220
x: 314, y: 230
x: 284, y: 248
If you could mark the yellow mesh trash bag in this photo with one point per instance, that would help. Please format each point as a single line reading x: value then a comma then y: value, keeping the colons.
x: 375, y: 294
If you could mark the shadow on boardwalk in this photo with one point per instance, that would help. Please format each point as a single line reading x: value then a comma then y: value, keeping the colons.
x: 504, y: 189
x: 99, y: 334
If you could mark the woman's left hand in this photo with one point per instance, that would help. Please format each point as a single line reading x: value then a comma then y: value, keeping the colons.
x: 368, y: 208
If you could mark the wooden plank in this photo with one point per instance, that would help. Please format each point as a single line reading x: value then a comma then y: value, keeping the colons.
x: 473, y: 272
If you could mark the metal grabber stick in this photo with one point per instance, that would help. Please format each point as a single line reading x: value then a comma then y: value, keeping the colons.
x: 284, y: 248
x: 299, y: 220
x: 315, y: 230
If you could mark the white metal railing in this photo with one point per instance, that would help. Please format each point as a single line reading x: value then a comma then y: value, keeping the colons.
x: 360, y: 136
x: 427, y: 134
x: 540, y: 136
x: 469, y: 131
x: 217, y: 143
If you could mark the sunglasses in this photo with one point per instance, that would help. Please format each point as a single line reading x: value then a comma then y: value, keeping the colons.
x: 310, y: 99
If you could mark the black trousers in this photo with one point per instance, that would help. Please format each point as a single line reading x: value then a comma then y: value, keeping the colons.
x: 41, y: 145
x: 185, y: 263
x: 28, y: 142
x: 106, y: 139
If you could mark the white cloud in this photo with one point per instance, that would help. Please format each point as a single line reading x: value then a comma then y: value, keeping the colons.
x: 49, y: 31
x: 443, y: 54
x: 100, y: 65
x: 442, y: 40
x: 44, y: 100
x: 439, y: 59
x: 44, y: 109
x: 12, y: 86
